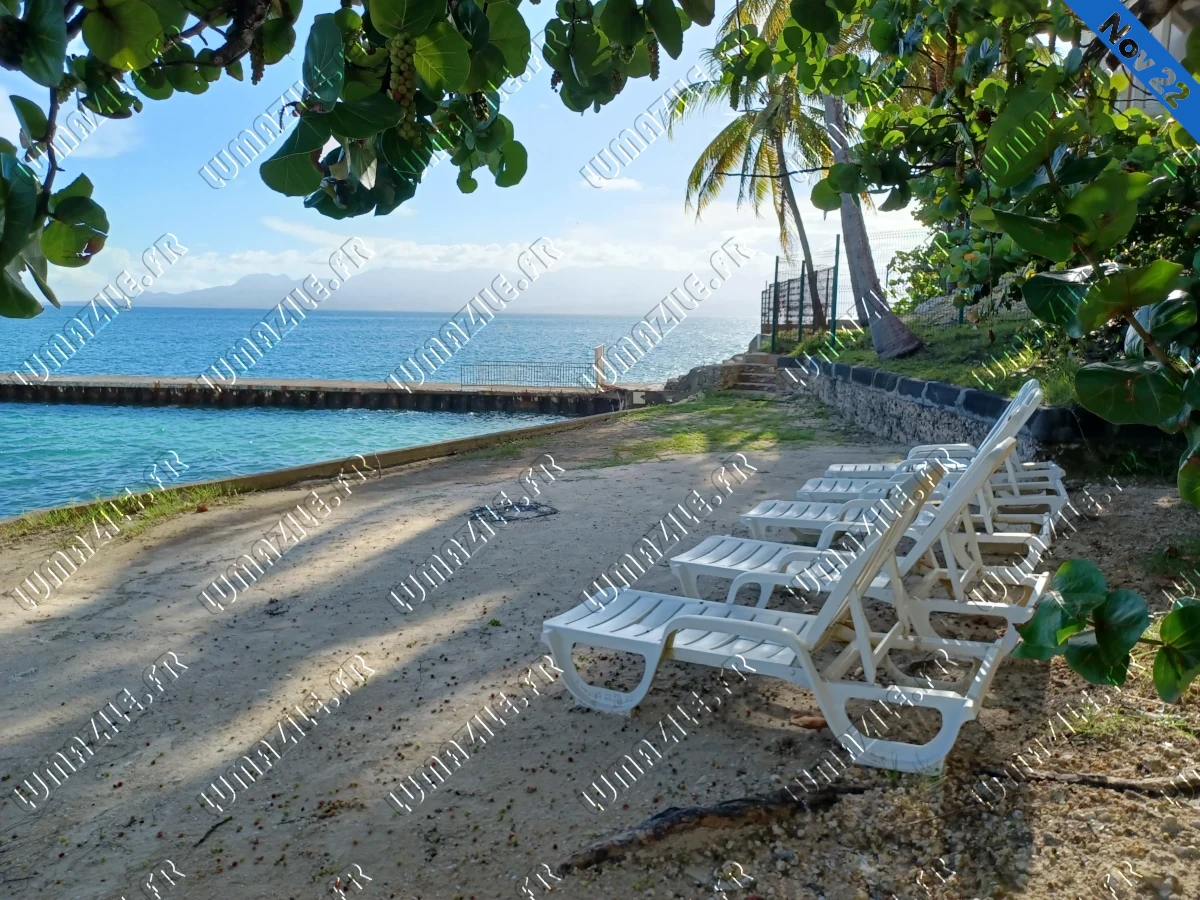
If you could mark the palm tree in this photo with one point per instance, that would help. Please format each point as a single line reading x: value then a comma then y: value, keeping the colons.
x: 808, y: 126
x: 755, y: 144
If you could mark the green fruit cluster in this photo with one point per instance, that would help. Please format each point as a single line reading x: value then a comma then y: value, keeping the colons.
x: 403, y: 84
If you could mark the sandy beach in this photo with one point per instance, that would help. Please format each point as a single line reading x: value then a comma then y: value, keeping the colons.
x: 320, y: 808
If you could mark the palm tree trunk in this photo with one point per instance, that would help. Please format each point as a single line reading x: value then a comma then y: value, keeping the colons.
x: 890, y: 336
x: 785, y: 181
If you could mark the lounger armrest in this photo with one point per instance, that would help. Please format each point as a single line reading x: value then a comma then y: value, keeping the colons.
x: 776, y: 634
x: 778, y: 579
x: 926, y: 451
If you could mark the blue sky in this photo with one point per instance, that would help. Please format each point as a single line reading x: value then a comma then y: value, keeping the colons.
x: 621, y: 243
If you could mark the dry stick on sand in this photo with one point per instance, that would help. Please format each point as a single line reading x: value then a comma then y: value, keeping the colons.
x: 755, y: 810
x: 743, y: 811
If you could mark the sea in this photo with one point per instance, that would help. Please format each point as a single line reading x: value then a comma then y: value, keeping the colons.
x: 52, y: 454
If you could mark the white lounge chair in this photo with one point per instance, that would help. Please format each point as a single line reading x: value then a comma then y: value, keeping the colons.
x: 826, y: 521
x: 954, y: 456
x: 1016, y: 487
x: 787, y: 645
x: 951, y: 531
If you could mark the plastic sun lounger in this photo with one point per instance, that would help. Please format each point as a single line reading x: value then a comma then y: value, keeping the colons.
x: 951, y: 530
x: 958, y: 456
x: 1015, y: 488
x: 784, y: 645
x: 826, y: 521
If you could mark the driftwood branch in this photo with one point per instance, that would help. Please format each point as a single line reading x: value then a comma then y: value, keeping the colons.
x: 1153, y: 787
x: 211, y: 830
x: 743, y: 811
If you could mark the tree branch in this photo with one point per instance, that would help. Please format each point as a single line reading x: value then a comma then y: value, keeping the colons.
x: 51, y: 128
x: 247, y: 21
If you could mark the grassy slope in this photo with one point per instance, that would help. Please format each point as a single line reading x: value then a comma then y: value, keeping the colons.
x: 966, y: 355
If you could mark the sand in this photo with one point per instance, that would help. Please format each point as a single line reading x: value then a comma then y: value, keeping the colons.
x: 320, y: 809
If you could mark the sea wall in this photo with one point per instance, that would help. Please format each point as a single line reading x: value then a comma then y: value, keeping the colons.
x: 912, y: 411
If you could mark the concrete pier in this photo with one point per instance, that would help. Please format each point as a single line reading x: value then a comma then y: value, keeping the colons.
x: 307, y: 393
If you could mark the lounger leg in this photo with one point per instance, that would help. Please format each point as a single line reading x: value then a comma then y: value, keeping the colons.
x: 593, y: 697
x: 929, y: 757
x: 687, y: 581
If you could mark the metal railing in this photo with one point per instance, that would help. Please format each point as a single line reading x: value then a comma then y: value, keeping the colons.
x: 528, y: 374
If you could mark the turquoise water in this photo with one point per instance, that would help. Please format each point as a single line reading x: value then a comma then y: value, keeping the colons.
x: 55, y: 454
x: 52, y: 455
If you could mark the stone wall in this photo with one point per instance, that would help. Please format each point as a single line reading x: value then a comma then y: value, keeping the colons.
x: 717, y: 377
x: 911, y: 411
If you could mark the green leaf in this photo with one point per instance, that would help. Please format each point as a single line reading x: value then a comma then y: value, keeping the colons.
x: 441, y: 57
x: 699, y: 11
x: 1086, y: 658
x: 508, y: 33
x: 1055, y: 296
x: 513, y: 163
x: 1108, y: 206
x: 1129, y: 392
x: 324, y: 61
x: 622, y: 22
x: 15, y: 300
x: 361, y: 119
x: 32, y: 260
x: 1081, y: 585
x: 1188, y: 480
x: 18, y: 199
x: 814, y: 15
x: 393, y: 17
x: 234, y: 70
x: 30, y: 117
x: 667, y: 28
x: 154, y: 83
x: 1053, y: 240
x: 466, y: 183
x: 1169, y: 318
x: 124, y: 34
x: 899, y: 199
x: 291, y: 170
x: 825, y: 196
x: 499, y: 133
x: 80, y: 187
x: 1039, y: 636
x: 1119, y: 621
x: 391, y: 189
x: 402, y: 156
x: 169, y: 12
x: 487, y: 70
x: 1124, y: 291
x: 45, y: 49
x: 1078, y: 171
x: 884, y: 37
x: 279, y: 37
x: 844, y: 177
x: 76, y: 232
x: 1178, y: 660
x: 1021, y: 138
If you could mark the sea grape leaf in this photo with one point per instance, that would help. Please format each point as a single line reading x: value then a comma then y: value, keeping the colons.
x: 324, y: 65
x: 291, y: 169
x: 1129, y: 392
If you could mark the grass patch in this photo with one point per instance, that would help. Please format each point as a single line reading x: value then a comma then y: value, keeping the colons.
x: 145, y: 509
x: 1179, y: 557
x: 967, y: 355
x: 713, y: 423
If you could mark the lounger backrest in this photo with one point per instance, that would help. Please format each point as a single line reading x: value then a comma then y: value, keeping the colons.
x: 1017, y: 409
x: 956, y: 502
x: 864, y: 566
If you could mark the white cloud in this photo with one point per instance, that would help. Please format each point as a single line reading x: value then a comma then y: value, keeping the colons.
x: 620, y: 184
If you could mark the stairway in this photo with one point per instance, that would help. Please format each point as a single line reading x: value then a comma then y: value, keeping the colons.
x: 756, y: 373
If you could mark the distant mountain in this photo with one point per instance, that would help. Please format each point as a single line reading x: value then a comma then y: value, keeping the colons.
x: 611, y: 290
x: 252, y: 291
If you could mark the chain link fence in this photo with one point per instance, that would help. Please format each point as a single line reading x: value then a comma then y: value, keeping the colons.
x: 914, y: 292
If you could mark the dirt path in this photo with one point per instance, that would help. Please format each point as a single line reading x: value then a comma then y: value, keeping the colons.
x: 321, y: 808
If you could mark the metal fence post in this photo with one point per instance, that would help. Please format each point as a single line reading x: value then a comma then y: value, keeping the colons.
x: 837, y: 256
x: 800, y: 321
x: 775, y: 311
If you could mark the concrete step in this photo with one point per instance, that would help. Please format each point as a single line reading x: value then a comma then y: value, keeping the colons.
x: 756, y: 378
x: 766, y: 359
